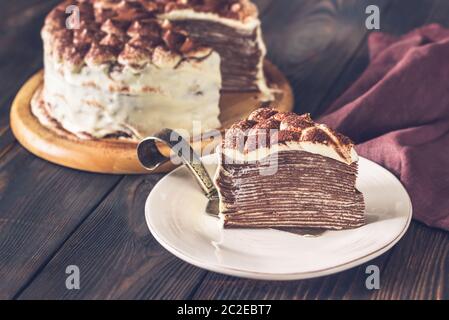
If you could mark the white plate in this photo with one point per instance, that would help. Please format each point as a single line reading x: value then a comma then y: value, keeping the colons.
x: 175, y: 215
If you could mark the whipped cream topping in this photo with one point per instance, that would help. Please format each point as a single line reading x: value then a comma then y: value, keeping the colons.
x: 267, y: 131
x: 311, y: 147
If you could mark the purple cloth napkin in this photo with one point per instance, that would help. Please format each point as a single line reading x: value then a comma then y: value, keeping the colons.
x: 397, y: 112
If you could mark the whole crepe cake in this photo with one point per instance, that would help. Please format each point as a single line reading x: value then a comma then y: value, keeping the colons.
x: 133, y: 67
x: 281, y: 169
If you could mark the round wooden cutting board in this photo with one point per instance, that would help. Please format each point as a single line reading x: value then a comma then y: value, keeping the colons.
x: 119, y: 156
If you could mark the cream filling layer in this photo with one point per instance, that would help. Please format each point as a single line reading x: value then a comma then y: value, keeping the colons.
x: 315, y: 148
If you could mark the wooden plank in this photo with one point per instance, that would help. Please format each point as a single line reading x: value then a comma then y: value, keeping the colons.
x: 419, y: 267
x: 312, y: 41
x: 40, y: 205
x: 345, y: 285
x: 11, y: 79
x: 20, y: 26
x: 20, y: 54
x: 26, y: 10
x: 6, y: 141
x: 117, y: 256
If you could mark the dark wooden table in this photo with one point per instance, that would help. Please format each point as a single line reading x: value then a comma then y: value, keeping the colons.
x: 52, y: 217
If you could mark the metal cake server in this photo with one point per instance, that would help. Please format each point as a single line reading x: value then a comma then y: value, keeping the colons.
x: 151, y: 158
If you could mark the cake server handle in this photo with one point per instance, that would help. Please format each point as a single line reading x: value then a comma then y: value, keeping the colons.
x: 151, y: 158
